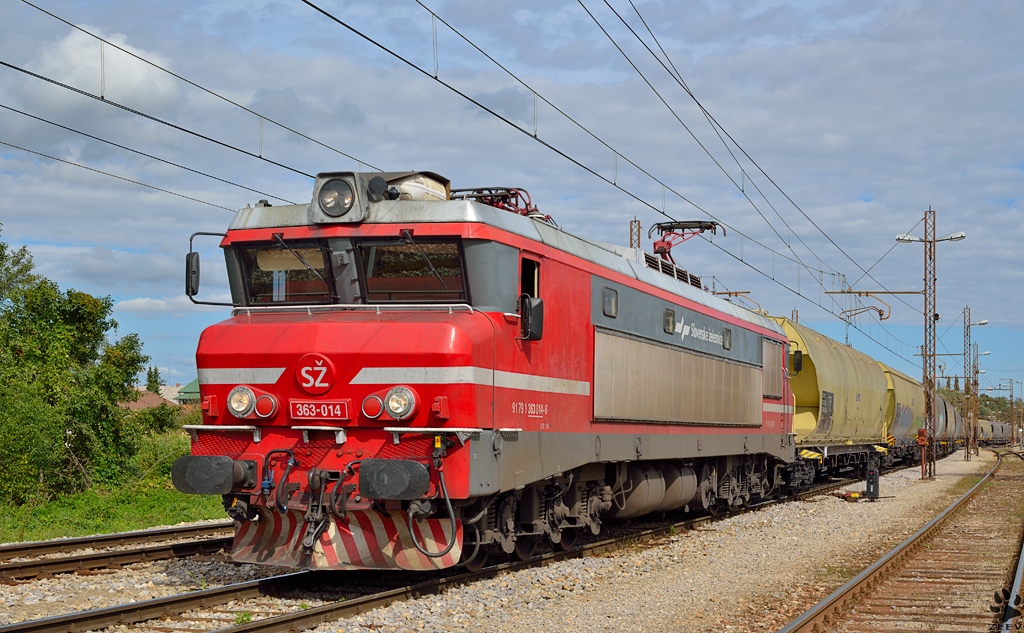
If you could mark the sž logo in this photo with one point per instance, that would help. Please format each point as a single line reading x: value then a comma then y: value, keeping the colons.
x: 314, y: 373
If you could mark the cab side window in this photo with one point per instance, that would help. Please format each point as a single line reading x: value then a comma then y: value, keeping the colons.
x: 529, y: 278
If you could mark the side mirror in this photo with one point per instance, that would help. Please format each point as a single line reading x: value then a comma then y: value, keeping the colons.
x: 192, y: 274
x: 798, y: 361
x: 531, y: 318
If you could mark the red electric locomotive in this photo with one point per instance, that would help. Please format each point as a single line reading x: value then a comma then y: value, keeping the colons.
x: 413, y: 377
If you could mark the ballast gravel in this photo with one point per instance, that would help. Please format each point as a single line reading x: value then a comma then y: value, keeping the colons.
x: 751, y: 572
x: 70, y: 593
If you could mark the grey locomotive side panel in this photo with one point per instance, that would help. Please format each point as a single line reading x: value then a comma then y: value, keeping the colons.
x: 675, y: 367
x: 641, y: 314
x: 646, y: 382
x: 498, y: 465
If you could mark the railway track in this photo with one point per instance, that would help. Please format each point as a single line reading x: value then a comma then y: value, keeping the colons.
x: 944, y: 577
x: 205, y: 608
x: 115, y: 550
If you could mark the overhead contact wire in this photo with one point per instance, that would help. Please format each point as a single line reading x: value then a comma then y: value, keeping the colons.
x: 485, y: 108
x: 884, y: 256
x: 808, y: 299
x: 718, y: 125
x: 687, y: 128
x: 154, y: 119
x: 678, y: 79
x: 204, y: 89
x: 105, y: 173
x: 586, y: 131
x: 554, y: 149
x: 135, y: 151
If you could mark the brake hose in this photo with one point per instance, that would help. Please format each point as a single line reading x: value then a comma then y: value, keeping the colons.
x: 278, y: 498
x: 476, y: 547
x: 332, y: 502
x: 451, y: 514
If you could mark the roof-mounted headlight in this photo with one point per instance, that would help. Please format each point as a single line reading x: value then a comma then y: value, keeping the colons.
x: 241, y: 401
x: 336, y: 198
x: 400, y: 403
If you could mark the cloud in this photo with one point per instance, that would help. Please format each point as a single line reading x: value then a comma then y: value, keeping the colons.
x: 146, y: 306
x: 865, y: 113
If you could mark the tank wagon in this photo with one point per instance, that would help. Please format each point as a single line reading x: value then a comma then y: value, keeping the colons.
x: 992, y: 433
x: 851, y: 411
x: 413, y: 377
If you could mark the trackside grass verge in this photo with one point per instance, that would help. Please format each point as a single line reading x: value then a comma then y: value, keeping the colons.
x: 97, y: 511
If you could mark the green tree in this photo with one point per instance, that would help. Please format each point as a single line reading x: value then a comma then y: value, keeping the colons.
x: 153, y: 380
x: 61, y: 380
x: 15, y: 269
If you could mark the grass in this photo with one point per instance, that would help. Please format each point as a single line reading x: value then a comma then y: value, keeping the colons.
x: 96, y: 511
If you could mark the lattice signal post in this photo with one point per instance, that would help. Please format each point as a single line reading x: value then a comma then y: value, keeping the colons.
x: 930, y: 319
x: 968, y: 411
x: 634, y: 233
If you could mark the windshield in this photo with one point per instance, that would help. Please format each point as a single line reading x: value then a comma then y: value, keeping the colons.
x: 397, y: 271
x: 274, y: 274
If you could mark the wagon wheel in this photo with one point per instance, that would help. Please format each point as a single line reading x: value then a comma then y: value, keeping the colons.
x: 526, y: 545
x: 567, y: 542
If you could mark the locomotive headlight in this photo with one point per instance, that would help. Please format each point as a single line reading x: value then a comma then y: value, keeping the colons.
x: 336, y: 198
x: 241, y: 401
x: 400, y: 403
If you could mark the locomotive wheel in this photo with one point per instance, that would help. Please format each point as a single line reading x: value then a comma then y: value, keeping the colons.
x: 477, y: 563
x: 526, y: 545
x: 568, y: 541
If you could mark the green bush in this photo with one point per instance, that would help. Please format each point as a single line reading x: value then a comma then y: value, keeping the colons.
x: 158, y: 419
x: 156, y: 453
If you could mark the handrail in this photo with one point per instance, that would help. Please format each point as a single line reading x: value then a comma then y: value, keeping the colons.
x: 329, y: 307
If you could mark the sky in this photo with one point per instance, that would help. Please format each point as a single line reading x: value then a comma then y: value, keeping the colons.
x: 824, y: 128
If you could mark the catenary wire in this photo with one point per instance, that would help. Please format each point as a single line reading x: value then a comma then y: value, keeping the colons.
x: 554, y: 149
x: 204, y: 89
x: 678, y: 79
x: 763, y: 172
x: 883, y: 256
x: 677, y: 76
x: 617, y: 153
x: 135, y: 151
x: 697, y: 140
x: 665, y: 103
x: 480, y: 105
x: 808, y: 299
x: 153, y: 118
x: 597, y: 138
x: 313, y: 140
x: 687, y: 128
x: 105, y: 173
x: 713, y: 125
x: 542, y: 97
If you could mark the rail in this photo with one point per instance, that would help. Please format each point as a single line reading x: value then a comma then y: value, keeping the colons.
x: 1010, y: 619
x: 314, y: 616
x: 820, y: 616
x: 58, y: 546
x: 42, y: 565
